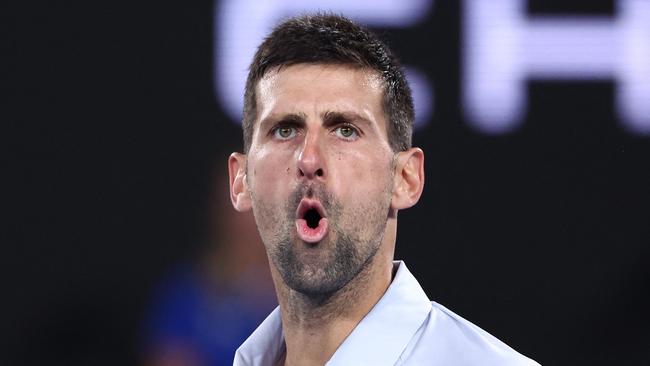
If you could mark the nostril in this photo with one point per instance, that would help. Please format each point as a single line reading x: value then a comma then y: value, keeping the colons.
x: 317, y: 173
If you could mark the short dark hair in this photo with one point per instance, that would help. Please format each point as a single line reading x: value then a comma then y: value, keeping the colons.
x: 333, y: 39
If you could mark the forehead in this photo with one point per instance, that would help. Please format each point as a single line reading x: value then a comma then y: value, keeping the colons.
x: 278, y: 75
x: 319, y: 88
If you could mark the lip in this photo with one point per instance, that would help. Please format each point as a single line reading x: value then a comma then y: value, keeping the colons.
x: 306, y: 233
x: 307, y: 204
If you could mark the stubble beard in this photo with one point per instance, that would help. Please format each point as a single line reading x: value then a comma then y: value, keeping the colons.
x: 353, y: 239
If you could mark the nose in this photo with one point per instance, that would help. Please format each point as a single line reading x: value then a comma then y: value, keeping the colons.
x: 311, y: 162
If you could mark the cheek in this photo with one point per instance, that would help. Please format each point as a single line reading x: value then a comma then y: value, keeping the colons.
x: 362, y: 176
x: 268, y: 172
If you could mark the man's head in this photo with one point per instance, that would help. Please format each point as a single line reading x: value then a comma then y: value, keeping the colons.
x: 335, y: 40
x: 326, y: 169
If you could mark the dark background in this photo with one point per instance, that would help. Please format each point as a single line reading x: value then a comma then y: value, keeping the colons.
x: 112, y: 127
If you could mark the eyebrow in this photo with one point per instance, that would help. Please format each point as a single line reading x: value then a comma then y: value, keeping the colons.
x: 291, y: 118
x: 331, y: 118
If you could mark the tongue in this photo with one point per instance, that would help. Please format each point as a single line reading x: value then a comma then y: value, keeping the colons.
x: 311, y: 235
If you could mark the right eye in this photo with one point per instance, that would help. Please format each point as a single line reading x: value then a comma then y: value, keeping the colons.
x: 284, y: 132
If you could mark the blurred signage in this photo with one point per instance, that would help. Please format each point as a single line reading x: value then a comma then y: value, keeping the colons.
x: 502, y: 45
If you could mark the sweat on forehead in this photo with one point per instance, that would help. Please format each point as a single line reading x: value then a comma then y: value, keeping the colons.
x: 343, y: 74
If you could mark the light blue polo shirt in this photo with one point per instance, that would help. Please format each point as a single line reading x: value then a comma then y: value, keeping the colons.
x: 403, y: 328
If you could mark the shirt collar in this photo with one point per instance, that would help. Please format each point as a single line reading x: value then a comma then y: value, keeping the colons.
x: 379, y: 339
x: 265, y: 346
x: 383, y: 334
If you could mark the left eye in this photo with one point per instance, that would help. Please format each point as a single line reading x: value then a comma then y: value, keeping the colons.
x: 346, y: 132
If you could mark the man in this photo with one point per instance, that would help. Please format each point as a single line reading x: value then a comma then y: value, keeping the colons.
x: 328, y: 164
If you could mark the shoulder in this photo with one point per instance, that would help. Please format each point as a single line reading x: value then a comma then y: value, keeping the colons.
x: 446, y: 338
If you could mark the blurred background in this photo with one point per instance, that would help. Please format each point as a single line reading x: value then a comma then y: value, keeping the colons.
x: 118, y: 244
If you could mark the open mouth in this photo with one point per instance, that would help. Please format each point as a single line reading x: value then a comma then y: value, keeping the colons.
x: 312, y: 217
x: 311, y: 222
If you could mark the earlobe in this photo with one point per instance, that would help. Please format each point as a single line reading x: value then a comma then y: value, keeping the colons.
x: 409, y: 178
x: 239, y: 194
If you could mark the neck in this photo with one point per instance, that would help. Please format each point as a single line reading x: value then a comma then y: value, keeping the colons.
x: 314, y: 328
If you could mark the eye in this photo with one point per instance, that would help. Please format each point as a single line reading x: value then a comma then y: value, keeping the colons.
x: 284, y: 132
x: 346, y: 132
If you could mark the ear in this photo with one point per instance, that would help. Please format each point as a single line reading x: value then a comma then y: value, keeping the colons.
x: 409, y: 178
x: 239, y: 195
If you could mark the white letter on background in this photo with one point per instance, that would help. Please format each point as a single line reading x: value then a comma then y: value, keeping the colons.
x: 503, y: 47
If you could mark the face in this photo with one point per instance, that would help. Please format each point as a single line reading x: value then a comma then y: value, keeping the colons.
x: 320, y: 173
